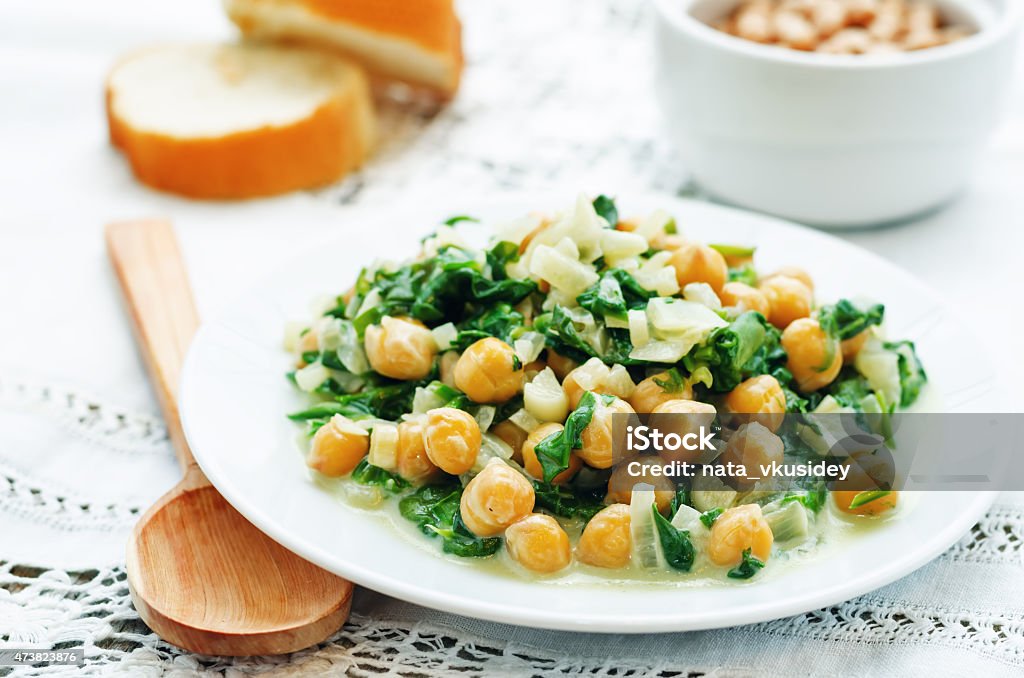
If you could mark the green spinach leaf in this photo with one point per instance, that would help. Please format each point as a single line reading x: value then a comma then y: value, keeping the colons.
x: 747, y: 568
x: 709, y: 517
x: 845, y: 320
x: 605, y: 207
x: 564, y: 502
x: 553, y: 452
x: 614, y: 294
x: 499, y: 321
x: 675, y: 543
x: 366, y: 473
x: 746, y: 347
x: 912, y: 374
x: 435, y: 510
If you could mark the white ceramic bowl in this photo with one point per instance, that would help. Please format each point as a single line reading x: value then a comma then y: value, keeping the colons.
x: 831, y: 140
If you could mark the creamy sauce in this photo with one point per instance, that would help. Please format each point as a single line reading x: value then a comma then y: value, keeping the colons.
x: 828, y: 532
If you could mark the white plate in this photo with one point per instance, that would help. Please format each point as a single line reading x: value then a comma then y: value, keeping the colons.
x: 234, y: 398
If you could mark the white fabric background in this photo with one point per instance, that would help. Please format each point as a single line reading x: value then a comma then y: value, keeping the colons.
x: 556, y: 95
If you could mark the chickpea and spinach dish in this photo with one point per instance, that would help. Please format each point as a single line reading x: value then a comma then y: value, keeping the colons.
x: 471, y: 391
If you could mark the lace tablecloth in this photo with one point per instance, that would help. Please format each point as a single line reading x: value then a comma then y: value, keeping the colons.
x: 557, y: 95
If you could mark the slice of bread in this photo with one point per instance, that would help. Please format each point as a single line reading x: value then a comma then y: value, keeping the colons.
x: 415, y: 41
x: 239, y: 121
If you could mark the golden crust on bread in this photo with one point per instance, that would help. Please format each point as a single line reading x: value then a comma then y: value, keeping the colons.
x: 312, y: 149
x: 415, y: 41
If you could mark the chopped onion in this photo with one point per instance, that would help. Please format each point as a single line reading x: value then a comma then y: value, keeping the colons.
x: 384, y: 446
x: 629, y: 264
x: 491, y: 447
x: 619, y: 382
x: 881, y: 368
x: 484, y: 416
x: 655, y: 224
x: 662, y: 351
x: 544, y: 397
x: 647, y: 550
x: 363, y: 496
x: 617, y: 323
x: 585, y: 228
x: 372, y: 300
x: 349, y: 383
x: 561, y: 271
x: 702, y: 293
x: 567, y: 247
x: 529, y: 346
x: 639, y: 333
x: 618, y: 245
x: 524, y: 420
x: 311, y: 376
x: 350, y: 349
x: 515, y: 231
x: 659, y: 275
x: 293, y: 331
x: 445, y: 335
x: 424, y: 400
x: 445, y: 235
x: 328, y: 333
x: 711, y: 493
x: 685, y: 319
x: 322, y: 303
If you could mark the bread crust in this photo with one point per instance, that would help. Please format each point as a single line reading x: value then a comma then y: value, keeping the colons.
x: 418, y: 42
x: 313, y: 151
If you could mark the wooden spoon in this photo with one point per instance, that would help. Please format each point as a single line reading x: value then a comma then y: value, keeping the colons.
x: 201, y: 576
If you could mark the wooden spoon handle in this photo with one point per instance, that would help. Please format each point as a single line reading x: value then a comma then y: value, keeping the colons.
x: 149, y: 266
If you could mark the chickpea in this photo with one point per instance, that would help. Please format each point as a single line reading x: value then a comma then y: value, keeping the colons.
x: 788, y: 298
x: 513, y: 436
x: 538, y: 543
x: 532, y: 464
x: 601, y: 439
x: 561, y: 365
x: 875, y: 507
x: 751, y: 446
x: 400, y: 348
x: 852, y: 346
x: 495, y: 498
x: 622, y: 482
x: 867, y: 472
x: 793, y: 272
x: 682, y: 417
x: 744, y: 298
x: 699, y: 263
x: 412, y: 462
x: 337, y: 447
x: 606, y: 540
x: 736, y: 530
x: 668, y: 241
x: 649, y: 394
x: 489, y: 372
x: 761, y: 398
x: 738, y: 260
x: 447, y: 367
x: 307, y: 343
x: 814, y: 358
x: 592, y: 375
x: 451, y: 438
